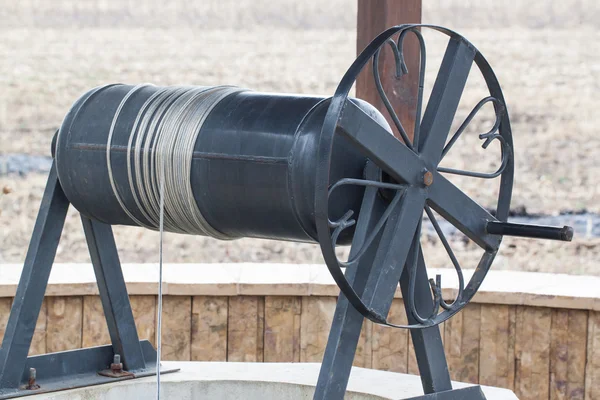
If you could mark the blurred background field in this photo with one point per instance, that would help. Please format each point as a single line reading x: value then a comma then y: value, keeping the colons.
x: 545, y: 53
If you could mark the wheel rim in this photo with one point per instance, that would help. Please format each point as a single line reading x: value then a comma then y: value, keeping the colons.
x: 414, y: 164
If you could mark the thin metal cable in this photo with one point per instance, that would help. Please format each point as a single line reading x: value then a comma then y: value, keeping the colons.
x: 160, y: 280
x: 108, y: 152
x: 162, y: 138
x: 148, y: 107
x: 160, y: 149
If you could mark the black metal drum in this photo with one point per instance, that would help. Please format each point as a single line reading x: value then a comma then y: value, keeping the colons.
x: 253, y: 169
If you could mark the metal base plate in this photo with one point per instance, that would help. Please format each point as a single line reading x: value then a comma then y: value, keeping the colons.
x: 78, y: 368
x: 468, y: 393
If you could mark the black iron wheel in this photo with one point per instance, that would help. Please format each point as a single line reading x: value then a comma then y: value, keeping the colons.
x: 416, y: 182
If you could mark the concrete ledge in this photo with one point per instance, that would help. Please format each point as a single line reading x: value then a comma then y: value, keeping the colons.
x: 261, y: 381
x: 500, y: 287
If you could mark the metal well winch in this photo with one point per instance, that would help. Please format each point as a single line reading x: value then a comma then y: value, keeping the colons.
x: 252, y: 167
x: 230, y: 163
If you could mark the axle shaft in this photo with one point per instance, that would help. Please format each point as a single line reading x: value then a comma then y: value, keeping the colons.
x: 564, y: 234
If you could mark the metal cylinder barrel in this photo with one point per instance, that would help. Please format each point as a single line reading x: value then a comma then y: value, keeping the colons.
x: 253, y: 166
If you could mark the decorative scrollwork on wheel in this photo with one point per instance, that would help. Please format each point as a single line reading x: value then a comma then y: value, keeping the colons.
x: 488, y: 137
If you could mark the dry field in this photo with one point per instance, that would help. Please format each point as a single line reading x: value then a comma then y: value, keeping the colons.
x: 546, y: 55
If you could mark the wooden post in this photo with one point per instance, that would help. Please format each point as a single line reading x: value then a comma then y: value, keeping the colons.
x: 374, y: 16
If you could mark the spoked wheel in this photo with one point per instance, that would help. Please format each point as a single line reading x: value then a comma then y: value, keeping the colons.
x: 388, y: 227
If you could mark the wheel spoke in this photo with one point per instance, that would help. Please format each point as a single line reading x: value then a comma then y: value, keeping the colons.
x: 445, y: 97
x: 380, y: 145
x: 462, y: 212
x: 394, y: 246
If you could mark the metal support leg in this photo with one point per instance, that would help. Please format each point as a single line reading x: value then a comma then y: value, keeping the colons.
x: 427, y: 342
x: 347, y: 322
x: 32, y: 285
x: 429, y: 349
x: 341, y: 346
x: 113, y: 294
x: 72, y: 368
x: 345, y: 333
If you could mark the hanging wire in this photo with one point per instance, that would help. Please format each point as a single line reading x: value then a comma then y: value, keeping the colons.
x: 160, y: 285
x: 160, y: 147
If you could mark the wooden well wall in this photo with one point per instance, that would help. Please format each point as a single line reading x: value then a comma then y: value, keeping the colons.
x: 541, y: 345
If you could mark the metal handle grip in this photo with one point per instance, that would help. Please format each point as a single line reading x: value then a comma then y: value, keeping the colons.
x: 564, y: 234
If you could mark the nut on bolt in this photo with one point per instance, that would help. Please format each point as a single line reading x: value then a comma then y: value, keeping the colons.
x: 31, y: 384
x: 427, y: 177
x: 116, y: 365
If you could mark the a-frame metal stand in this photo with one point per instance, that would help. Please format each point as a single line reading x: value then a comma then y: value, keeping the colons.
x: 75, y: 368
x: 85, y: 367
x: 347, y: 322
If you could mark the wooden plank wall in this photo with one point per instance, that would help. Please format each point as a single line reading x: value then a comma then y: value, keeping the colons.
x: 540, y: 353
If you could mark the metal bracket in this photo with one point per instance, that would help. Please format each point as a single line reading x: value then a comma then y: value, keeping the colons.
x: 468, y: 393
x: 128, y: 356
x: 78, y: 368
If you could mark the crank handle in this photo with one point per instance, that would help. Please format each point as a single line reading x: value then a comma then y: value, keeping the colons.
x: 564, y: 234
